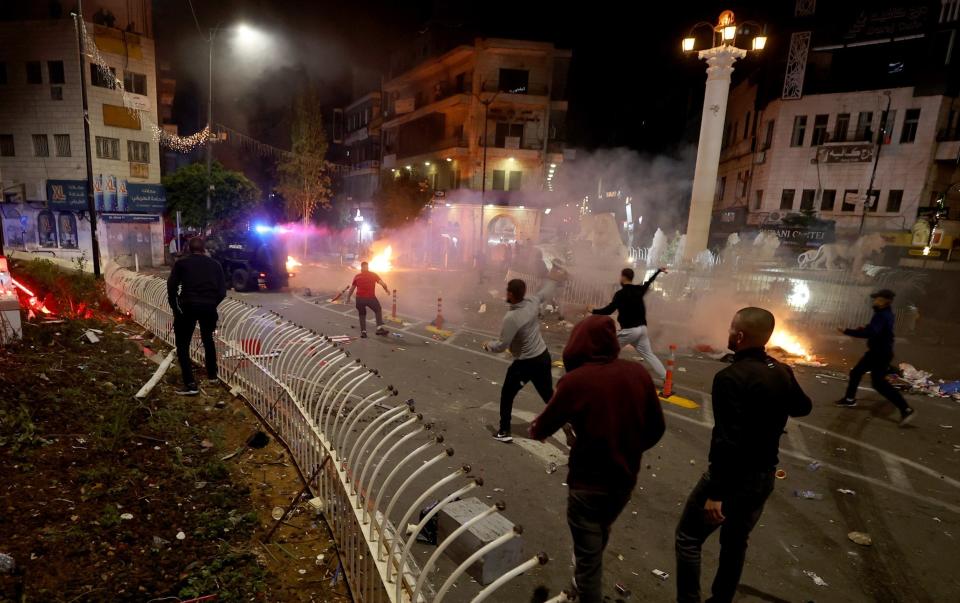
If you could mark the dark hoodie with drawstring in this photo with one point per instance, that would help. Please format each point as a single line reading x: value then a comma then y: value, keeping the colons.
x: 612, y: 406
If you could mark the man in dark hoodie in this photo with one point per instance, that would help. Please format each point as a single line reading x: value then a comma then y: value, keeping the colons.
x: 616, y: 415
x: 195, y: 288
x: 632, y: 316
x: 752, y: 399
x: 879, y: 336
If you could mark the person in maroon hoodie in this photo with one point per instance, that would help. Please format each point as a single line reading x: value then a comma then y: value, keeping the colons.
x: 613, y: 407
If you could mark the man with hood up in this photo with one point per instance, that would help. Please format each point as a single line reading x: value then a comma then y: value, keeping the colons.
x: 613, y: 407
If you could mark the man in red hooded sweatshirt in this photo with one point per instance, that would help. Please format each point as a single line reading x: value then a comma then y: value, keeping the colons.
x: 613, y: 407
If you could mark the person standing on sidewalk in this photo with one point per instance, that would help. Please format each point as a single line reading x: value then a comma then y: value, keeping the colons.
x: 632, y: 316
x: 879, y: 336
x: 520, y: 332
x: 616, y: 414
x: 365, y: 284
x: 195, y: 288
x: 752, y: 399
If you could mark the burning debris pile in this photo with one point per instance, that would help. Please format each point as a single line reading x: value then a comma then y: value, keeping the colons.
x: 788, y: 348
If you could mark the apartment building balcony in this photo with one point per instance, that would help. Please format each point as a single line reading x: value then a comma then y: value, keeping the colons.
x: 362, y: 168
x: 738, y: 149
x: 948, y: 144
x: 529, y: 94
x: 394, y: 154
x: 436, y: 106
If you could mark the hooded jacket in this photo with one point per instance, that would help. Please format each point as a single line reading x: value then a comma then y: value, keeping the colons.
x: 612, y: 406
x: 878, y: 332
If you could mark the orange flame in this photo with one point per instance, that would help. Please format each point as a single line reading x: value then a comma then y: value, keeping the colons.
x: 292, y: 263
x: 791, y: 344
x: 381, y: 262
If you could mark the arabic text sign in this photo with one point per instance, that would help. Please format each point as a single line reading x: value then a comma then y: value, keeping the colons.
x: 859, y: 152
x: 146, y: 198
x: 69, y: 195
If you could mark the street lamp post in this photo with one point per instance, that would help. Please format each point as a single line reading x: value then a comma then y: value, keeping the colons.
x: 720, y: 59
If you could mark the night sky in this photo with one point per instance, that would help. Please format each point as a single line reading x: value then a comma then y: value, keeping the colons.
x: 629, y: 83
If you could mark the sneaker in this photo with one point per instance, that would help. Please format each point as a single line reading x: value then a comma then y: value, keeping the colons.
x: 503, y: 436
x: 381, y: 331
x: 907, y: 416
x: 363, y: 334
x: 190, y: 390
x: 846, y: 403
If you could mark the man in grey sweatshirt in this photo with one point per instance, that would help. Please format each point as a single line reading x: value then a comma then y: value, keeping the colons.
x: 520, y: 333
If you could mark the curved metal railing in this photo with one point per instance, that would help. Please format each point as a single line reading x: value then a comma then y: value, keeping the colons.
x: 324, y: 403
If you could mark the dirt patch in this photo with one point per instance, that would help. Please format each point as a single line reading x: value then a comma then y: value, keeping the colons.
x: 107, y: 498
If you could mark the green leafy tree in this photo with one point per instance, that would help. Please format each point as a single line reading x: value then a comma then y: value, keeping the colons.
x: 400, y: 200
x: 232, y: 197
x: 304, y: 177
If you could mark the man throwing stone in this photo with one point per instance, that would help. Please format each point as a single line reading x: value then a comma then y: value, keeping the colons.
x: 520, y: 333
x: 195, y: 288
x: 752, y: 399
x: 632, y: 316
x: 613, y: 406
x: 365, y: 284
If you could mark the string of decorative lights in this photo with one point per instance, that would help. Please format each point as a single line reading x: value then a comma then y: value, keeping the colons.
x: 182, y: 144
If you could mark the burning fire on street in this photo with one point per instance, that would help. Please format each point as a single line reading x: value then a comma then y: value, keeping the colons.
x: 292, y: 263
x: 795, y: 351
x: 381, y: 261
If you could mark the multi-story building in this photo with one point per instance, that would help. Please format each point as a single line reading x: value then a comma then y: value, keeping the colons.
x: 361, y: 126
x: 486, y: 117
x: 854, y: 121
x: 42, y: 150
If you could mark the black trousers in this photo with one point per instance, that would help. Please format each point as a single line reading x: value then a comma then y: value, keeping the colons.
x: 184, y: 324
x: 590, y: 516
x: 535, y: 369
x: 374, y: 304
x: 742, y: 510
x: 877, y: 364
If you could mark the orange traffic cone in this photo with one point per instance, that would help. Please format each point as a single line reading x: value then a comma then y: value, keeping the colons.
x: 668, y: 381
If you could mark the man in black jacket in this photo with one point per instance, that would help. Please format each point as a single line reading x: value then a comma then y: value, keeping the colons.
x: 752, y: 399
x: 879, y: 336
x: 195, y: 288
x: 632, y: 316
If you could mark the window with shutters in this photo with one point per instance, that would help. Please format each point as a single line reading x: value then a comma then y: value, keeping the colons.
x: 41, y: 145
x: 138, y: 151
x: 62, y: 143
x: 108, y: 148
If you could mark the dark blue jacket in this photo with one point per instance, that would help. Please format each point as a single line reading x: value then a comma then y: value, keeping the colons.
x: 878, y: 333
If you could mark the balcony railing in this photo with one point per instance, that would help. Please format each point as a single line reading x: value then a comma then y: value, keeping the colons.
x: 529, y: 89
x: 512, y: 142
x: 429, y: 146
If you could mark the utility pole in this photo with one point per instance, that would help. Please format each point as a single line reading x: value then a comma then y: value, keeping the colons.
x: 91, y: 205
x: 876, y: 160
x: 213, y: 33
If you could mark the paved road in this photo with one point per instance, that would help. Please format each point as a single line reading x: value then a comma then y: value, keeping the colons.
x: 906, y: 481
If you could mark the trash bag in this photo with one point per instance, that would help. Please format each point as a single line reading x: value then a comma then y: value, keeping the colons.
x: 428, y: 535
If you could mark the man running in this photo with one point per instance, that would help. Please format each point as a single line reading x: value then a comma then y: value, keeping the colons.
x: 195, y: 288
x: 632, y: 316
x: 879, y: 336
x: 365, y: 284
x: 520, y: 333
x: 752, y: 399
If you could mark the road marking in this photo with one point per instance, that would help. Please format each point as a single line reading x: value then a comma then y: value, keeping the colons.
x: 706, y: 409
x: 910, y: 493
x: 679, y: 401
x: 880, y: 451
x: 895, y: 472
x: 795, y: 437
x: 544, y: 451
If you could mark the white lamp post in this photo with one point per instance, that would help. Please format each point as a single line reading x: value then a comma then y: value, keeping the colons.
x: 720, y: 59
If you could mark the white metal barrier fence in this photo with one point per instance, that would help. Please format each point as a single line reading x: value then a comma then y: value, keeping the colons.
x: 361, y: 451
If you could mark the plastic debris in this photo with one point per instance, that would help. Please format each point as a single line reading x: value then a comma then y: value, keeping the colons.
x: 845, y: 491
x: 622, y: 590
x: 552, y: 468
x: 302, y: 571
x: 206, y: 444
x: 814, y: 466
x: 660, y: 574
x: 7, y: 564
x: 947, y: 426
x: 950, y: 388
x: 780, y: 474
x: 181, y: 535
x: 808, y: 494
x: 277, y: 513
x: 397, y: 335
x: 91, y: 336
x: 483, y: 309
x: 620, y: 557
x: 816, y: 579
x: 127, y: 516
x: 861, y: 538
x: 320, y: 559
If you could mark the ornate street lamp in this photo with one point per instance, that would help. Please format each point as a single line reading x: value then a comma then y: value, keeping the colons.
x: 720, y: 58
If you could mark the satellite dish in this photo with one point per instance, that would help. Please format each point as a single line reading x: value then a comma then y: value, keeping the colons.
x: 773, y: 216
